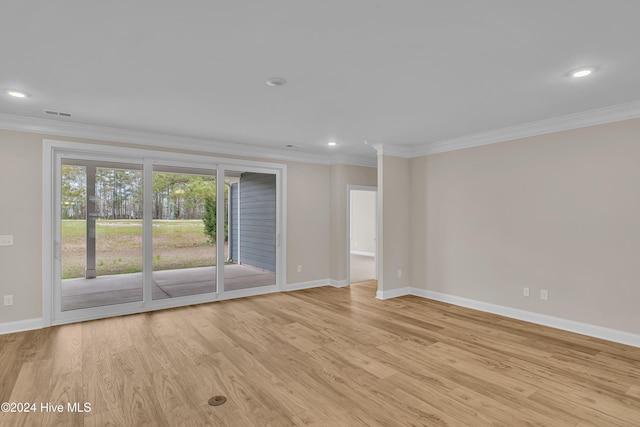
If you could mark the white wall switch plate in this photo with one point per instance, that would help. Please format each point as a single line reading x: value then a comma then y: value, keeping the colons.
x: 6, y: 240
x: 525, y: 291
x: 544, y: 294
x: 8, y: 300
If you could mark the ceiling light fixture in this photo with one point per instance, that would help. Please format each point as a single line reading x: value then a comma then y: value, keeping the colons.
x: 332, y: 143
x: 17, y: 93
x: 582, y: 72
x: 276, y: 81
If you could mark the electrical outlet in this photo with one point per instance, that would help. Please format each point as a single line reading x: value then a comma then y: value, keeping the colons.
x: 544, y: 294
x: 525, y: 291
x: 399, y: 273
x: 299, y: 268
x: 8, y: 300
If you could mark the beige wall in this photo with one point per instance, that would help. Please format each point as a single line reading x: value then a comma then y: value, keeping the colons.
x: 393, y: 223
x: 311, y: 214
x: 341, y: 177
x: 559, y: 212
x: 418, y: 221
x: 308, y: 222
x: 21, y: 216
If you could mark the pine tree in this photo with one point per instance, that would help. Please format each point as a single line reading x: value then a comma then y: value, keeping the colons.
x: 209, y: 218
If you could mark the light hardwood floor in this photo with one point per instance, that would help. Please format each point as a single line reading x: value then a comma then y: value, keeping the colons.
x: 325, y: 357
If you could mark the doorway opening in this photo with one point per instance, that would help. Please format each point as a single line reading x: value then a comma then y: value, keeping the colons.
x: 362, y: 251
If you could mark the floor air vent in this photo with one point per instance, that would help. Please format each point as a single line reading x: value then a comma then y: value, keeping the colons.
x: 217, y: 400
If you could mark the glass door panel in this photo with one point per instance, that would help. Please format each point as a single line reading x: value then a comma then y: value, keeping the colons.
x: 250, y: 230
x: 183, y: 230
x: 101, y: 234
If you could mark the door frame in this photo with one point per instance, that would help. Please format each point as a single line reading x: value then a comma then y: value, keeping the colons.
x: 54, y: 150
x: 351, y: 188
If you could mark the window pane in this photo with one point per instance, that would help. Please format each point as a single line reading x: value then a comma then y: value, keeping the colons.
x: 101, y: 230
x: 184, y: 246
x: 251, y: 230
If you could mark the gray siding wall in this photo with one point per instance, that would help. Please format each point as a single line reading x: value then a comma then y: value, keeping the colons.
x: 257, y: 201
x: 233, y: 222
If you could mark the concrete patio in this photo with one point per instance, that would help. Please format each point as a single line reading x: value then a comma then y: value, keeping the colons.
x: 123, y: 288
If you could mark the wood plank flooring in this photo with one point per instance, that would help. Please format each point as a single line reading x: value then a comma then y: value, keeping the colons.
x: 324, y: 357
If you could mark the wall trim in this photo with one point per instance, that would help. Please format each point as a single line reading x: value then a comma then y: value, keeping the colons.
x: 599, y: 116
x: 529, y: 316
x: 338, y: 283
x: 614, y: 113
x: 370, y: 254
x: 392, y: 150
x: 354, y: 160
x: 21, y: 326
x: 160, y: 140
x: 316, y: 284
x: 305, y: 285
x: 393, y: 293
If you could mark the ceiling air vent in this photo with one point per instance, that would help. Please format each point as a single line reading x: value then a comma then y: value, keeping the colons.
x: 57, y: 113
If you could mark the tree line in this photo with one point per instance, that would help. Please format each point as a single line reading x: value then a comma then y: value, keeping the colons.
x: 119, y: 194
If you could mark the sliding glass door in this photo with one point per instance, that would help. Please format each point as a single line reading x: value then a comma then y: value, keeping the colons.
x: 184, y: 231
x: 101, y: 219
x: 140, y: 232
x: 252, y: 230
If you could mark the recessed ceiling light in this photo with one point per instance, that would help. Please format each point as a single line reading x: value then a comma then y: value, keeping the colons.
x: 17, y: 93
x: 332, y: 143
x: 276, y: 81
x: 582, y: 72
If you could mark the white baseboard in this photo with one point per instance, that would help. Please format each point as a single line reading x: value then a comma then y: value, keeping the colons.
x: 338, y: 283
x: 371, y: 254
x: 393, y: 293
x: 306, y: 285
x: 315, y: 284
x: 21, y: 325
x: 528, y: 316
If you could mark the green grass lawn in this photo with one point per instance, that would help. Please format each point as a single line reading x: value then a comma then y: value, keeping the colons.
x: 176, y: 244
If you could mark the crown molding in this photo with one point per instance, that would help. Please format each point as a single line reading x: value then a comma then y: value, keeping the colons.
x: 614, y: 113
x: 394, y: 150
x: 160, y: 140
x: 347, y: 159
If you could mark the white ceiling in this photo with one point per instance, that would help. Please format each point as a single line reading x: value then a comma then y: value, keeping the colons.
x: 401, y: 72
